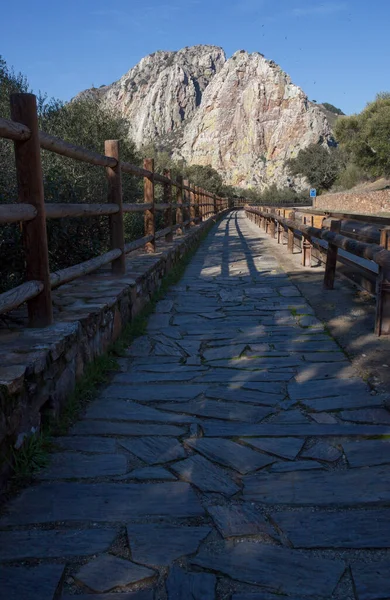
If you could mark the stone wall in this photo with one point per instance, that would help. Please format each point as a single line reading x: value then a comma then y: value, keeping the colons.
x: 363, y: 203
x: 40, y: 367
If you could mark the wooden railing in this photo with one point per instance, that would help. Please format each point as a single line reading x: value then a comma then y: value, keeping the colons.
x: 192, y: 204
x: 277, y: 222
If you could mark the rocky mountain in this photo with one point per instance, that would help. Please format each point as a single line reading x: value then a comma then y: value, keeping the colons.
x: 242, y: 115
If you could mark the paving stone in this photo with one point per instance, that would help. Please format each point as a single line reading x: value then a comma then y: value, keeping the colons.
x: 216, y: 375
x: 262, y: 596
x: 226, y: 429
x: 146, y: 473
x: 372, y: 580
x: 205, y: 475
x: 286, y: 447
x: 373, y: 415
x: 322, y: 451
x: 293, y: 417
x: 239, y: 520
x: 182, y: 585
x: 102, y: 502
x: 323, y: 357
x: 191, y: 347
x: 30, y: 583
x: 309, y: 321
x: 123, y: 410
x: 163, y: 306
x: 139, y: 595
x: 282, y: 570
x: 161, y: 544
x: 250, y: 363
x: 343, y: 402
x: 35, y: 543
x: 296, y: 465
x: 322, y: 529
x: 154, y: 450
x: 89, y: 427
x: 366, y: 453
x: 108, y: 572
x: 335, y: 488
x: 157, y: 321
x: 69, y: 465
x: 230, y: 454
x: 131, y: 378
x: 97, y: 445
x: 150, y: 393
x: 323, y: 388
x: 223, y: 352
x: 140, y: 347
x: 289, y: 291
x: 194, y: 361
x: 224, y: 410
x: 311, y: 371
x: 323, y: 417
x: 256, y: 395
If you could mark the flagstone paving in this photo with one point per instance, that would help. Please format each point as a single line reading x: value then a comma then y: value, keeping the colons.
x: 236, y: 455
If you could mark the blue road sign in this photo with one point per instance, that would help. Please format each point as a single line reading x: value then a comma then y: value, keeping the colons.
x: 313, y: 193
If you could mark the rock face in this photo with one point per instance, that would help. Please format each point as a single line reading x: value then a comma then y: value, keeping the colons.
x: 162, y: 92
x: 243, y: 116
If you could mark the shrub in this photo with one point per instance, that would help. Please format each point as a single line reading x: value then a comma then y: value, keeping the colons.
x: 66, y: 180
x: 366, y: 137
x: 332, y: 109
x: 319, y: 165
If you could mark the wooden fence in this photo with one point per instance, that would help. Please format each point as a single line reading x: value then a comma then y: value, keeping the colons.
x: 278, y: 222
x: 191, y: 204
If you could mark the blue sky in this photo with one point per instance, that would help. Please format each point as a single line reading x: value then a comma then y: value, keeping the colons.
x: 337, y: 51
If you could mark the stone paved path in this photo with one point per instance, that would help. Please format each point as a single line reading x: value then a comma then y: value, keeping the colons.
x: 235, y: 456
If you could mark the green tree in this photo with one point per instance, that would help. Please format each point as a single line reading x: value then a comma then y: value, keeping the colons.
x: 366, y: 137
x: 205, y: 177
x: 84, y: 123
x: 331, y: 108
x: 319, y: 165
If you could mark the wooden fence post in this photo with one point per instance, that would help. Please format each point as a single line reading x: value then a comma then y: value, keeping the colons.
x: 382, y: 317
x: 331, y: 259
x: 306, y: 244
x: 30, y: 191
x: 117, y: 234
x: 187, y: 200
x: 149, y: 222
x: 290, y: 235
x: 179, y: 202
x: 167, y: 199
x: 272, y: 228
x: 192, y: 208
x: 198, y: 203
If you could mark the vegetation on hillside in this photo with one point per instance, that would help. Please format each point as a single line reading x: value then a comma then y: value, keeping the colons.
x: 65, y: 180
x: 363, y: 151
x: 321, y: 166
x: 366, y: 137
x: 331, y: 108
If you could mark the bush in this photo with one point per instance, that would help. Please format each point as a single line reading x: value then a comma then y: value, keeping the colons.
x: 319, y: 165
x: 366, y: 137
x: 332, y: 109
x: 66, y: 180
x: 349, y: 177
x: 274, y: 195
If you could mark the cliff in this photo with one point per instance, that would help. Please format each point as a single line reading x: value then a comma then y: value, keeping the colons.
x: 243, y: 116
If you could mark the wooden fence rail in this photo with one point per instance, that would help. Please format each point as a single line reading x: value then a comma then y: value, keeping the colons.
x: 191, y: 205
x: 277, y: 221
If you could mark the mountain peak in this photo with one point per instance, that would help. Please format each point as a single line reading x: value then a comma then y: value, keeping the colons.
x: 242, y: 115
